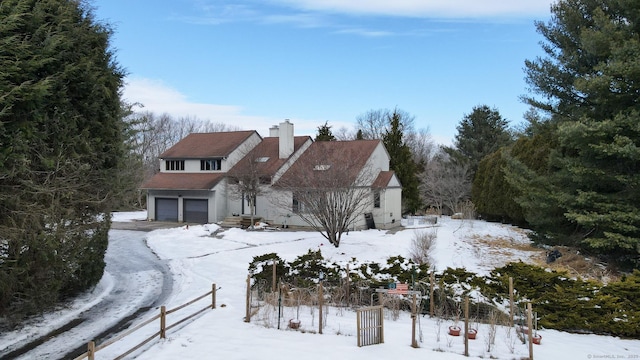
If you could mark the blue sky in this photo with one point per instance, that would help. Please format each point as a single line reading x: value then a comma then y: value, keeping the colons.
x: 255, y: 63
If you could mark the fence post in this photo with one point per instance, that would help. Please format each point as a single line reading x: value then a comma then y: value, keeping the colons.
x: 359, y: 326
x: 348, y: 285
x: 320, y: 298
x: 510, y: 301
x: 466, y: 326
x: 273, y: 277
x: 247, y: 317
x: 213, y: 296
x: 432, y: 280
x: 163, y: 321
x: 414, y: 343
x: 91, y: 350
x: 530, y: 332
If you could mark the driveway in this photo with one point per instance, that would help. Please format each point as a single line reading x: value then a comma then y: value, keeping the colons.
x: 135, y: 282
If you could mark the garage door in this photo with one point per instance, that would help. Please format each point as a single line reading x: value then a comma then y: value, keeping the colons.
x: 166, y: 209
x: 196, y: 211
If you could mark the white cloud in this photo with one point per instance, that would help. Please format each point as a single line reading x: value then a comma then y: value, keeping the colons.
x: 300, y: 20
x: 158, y: 98
x: 364, y: 32
x: 427, y: 8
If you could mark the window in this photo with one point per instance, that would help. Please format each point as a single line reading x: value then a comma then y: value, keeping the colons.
x: 296, y: 205
x: 322, y: 167
x: 175, y: 165
x: 376, y: 199
x: 210, y: 164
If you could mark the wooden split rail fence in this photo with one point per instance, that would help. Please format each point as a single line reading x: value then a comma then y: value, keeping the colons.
x: 92, y: 348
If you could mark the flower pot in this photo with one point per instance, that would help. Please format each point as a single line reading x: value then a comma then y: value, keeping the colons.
x: 454, y: 330
x: 471, y: 335
x: 537, y: 338
x: 294, y: 324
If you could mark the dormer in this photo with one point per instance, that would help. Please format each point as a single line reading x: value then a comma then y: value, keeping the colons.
x: 208, y: 152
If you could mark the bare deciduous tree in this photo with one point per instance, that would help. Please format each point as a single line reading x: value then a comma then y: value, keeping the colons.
x: 445, y: 184
x: 329, y: 188
x: 374, y: 123
x: 247, y: 180
x: 422, y: 146
x: 343, y: 134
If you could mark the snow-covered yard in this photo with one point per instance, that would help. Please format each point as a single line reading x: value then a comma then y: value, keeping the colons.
x: 197, y: 259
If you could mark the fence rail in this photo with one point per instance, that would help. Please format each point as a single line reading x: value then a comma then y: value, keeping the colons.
x: 92, y: 349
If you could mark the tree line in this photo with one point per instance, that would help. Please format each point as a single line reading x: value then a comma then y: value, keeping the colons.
x: 572, y: 175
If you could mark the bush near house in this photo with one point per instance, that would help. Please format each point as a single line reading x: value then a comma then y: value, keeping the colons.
x: 561, y: 302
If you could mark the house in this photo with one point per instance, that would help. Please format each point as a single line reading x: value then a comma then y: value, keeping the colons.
x: 360, y: 165
x: 199, y: 177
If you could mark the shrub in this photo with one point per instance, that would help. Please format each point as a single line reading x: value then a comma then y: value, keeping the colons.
x: 561, y: 302
x: 421, y: 246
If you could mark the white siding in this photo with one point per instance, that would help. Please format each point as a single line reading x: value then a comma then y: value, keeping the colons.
x: 240, y: 152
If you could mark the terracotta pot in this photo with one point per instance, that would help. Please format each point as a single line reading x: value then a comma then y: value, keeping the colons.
x: 294, y: 324
x: 472, y: 334
x: 537, y: 338
x: 454, y: 330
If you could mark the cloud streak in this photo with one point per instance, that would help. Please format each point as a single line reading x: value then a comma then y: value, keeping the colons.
x: 425, y: 8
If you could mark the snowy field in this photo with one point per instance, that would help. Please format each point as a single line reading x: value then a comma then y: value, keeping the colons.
x: 197, y: 259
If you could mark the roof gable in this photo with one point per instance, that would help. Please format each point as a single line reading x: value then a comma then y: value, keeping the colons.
x: 328, y: 162
x: 268, y: 152
x: 207, y: 145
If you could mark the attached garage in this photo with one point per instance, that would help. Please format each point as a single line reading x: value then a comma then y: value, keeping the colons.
x: 196, y: 211
x: 166, y: 209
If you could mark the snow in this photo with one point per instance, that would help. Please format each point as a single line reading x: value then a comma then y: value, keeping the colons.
x: 125, y: 216
x: 201, y: 255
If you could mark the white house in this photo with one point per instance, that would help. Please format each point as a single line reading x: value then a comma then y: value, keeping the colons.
x: 193, y: 183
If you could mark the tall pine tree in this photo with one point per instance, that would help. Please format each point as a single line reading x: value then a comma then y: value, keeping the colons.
x: 61, y: 146
x: 402, y: 163
x: 589, y: 83
x: 480, y: 133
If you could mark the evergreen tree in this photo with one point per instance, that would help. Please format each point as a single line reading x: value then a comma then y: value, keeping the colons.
x: 480, y: 133
x: 61, y: 148
x: 324, y: 133
x: 402, y: 163
x: 589, y: 84
x: 492, y: 195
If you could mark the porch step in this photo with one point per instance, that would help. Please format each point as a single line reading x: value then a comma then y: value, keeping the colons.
x: 239, y: 221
